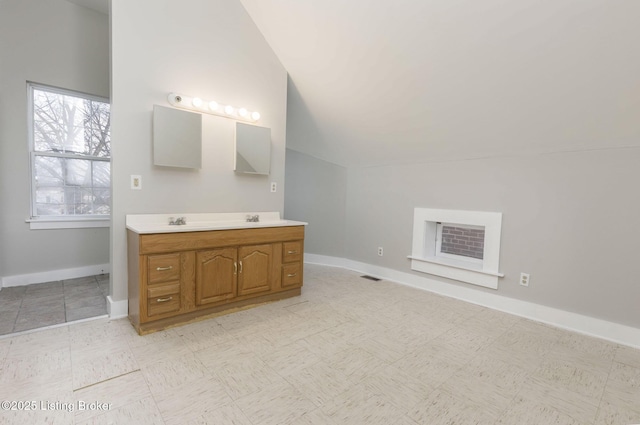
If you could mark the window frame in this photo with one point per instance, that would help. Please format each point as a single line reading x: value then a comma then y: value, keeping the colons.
x: 41, y: 222
x: 423, y: 256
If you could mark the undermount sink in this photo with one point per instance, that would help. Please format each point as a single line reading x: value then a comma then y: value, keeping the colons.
x: 159, y: 223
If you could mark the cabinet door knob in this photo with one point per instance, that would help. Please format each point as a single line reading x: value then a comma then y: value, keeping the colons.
x: 162, y: 269
x: 164, y: 300
x: 292, y: 252
x: 292, y: 275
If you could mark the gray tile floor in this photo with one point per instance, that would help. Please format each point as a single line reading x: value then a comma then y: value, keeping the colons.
x: 44, y: 304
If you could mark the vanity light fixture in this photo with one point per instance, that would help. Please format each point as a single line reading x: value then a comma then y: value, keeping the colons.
x: 212, y: 107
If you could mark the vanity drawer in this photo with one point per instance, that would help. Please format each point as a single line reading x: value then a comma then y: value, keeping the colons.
x: 163, y: 299
x: 164, y: 268
x: 291, y: 251
x: 292, y: 275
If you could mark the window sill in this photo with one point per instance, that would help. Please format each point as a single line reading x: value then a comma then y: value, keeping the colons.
x: 68, y: 223
x: 463, y: 271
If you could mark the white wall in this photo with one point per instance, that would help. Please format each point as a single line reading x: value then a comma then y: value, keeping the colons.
x: 57, y: 43
x: 206, y: 48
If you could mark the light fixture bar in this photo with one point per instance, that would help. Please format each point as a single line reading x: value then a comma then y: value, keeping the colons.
x: 212, y: 107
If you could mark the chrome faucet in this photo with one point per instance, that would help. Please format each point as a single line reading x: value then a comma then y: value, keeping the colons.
x: 180, y: 221
x: 253, y: 218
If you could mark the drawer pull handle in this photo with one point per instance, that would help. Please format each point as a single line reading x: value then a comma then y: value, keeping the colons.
x: 164, y: 300
x: 292, y: 252
x: 164, y: 269
x: 292, y: 275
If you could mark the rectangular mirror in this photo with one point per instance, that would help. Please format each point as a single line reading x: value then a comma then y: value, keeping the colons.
x: 177, y: 138
x: 253, y: 149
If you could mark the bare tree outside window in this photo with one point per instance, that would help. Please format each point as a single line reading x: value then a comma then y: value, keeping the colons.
x: 71, y: 153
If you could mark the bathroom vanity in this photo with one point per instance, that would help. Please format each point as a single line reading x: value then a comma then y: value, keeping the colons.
x: 212, y: 263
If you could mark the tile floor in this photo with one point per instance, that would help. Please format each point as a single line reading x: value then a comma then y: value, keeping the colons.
x: 44, y: 304
x: 348, y: 351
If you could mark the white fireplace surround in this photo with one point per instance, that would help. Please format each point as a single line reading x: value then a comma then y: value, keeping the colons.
x: 423, y: 254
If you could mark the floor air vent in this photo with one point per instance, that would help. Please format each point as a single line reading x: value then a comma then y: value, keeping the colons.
x: 375, y: 279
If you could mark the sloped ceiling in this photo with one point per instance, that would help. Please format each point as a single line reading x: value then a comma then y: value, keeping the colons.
x: 380, y: 82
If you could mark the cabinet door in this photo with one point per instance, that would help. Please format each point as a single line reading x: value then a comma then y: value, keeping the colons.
x: 254, y: 269
x: 216, y: 273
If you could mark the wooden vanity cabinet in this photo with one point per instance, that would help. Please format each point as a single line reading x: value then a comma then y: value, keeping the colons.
x: 180, y: 277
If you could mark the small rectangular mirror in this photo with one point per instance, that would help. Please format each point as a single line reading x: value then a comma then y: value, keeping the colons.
x: 253, y: 149
x: 177, y: 138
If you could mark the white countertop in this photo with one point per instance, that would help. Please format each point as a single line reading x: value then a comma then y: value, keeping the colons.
x: 201, y: 222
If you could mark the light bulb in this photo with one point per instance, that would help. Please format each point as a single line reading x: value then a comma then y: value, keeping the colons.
x: 213, y: 105
x: 197, y: 102
x: 255, y: 116
x: 242, y: 112
x: 228, y: 110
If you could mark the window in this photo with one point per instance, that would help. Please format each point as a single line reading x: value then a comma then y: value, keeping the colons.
x: 460, y: 241
x: 70, y: 158
x: 459, y: 245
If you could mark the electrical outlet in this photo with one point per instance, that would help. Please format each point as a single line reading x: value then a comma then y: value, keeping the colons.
x: 274, y: 187
x: 524, y: 279
x: 380, y: 251
x: 136, y: 182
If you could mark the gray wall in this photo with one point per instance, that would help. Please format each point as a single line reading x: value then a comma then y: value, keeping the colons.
x: 57, y: 43
x: 209, y: 49
x: 316, y: 193
x: 568, y: 220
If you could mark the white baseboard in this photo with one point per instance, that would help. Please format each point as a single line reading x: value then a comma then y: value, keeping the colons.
x: 117, y: 309
x: 53, y: 275
x: 586, y: 325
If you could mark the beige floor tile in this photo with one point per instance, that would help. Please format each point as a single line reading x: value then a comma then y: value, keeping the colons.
x: 91, y: 371
x: 567, y: 403
x: 290, y: 359
x: 244, y: 379
x: 487, y: 382
x: 39, y: 342
x: 563, y: 374
x: 441, y: 408
x: 615, y: 414
x: 356, y: 363
x: 224, y: 354
x: 628, y: 355
x: 275, y: 405
x: 354, y: 409
x: 141, y: 412
x: 320, y: 382
x: 623, y: 385
x: 200, y: 335
x: 31, y: 371
x: 169, y: 373
x: 117, y: 392
x: 196, y: 399
x: 315, y: 417
x: 526, y: 409
x: 327, y: 343
x: 467, y: 342
x: 401, y: 389
x: 152, y: 351
x: 432, y: 364
x: 226, y: 414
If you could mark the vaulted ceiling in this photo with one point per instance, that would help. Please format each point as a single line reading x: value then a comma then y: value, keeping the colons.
x: 379, y: 82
